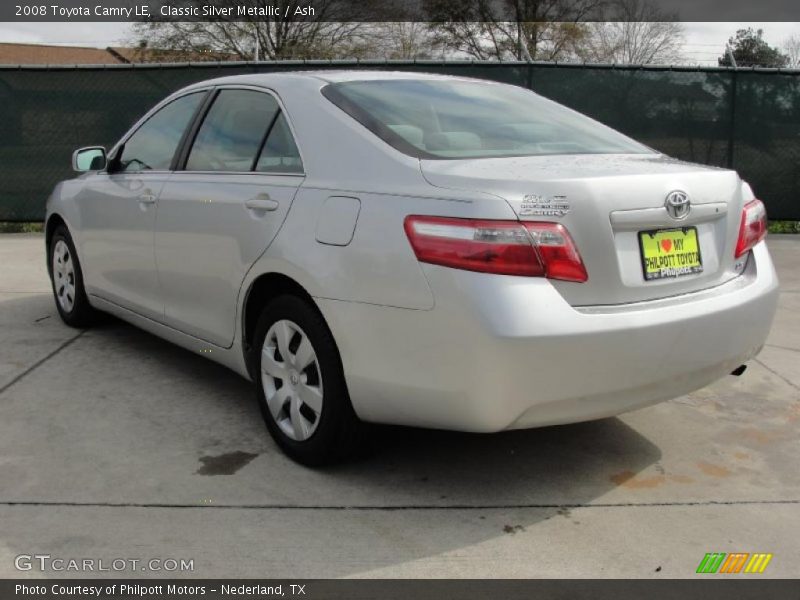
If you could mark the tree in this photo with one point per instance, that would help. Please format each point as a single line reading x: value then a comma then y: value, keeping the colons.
x: 401, y: 37
x: 402, y: 40
x: 510, y: 29
x: 750, y: 49
x: 333, y: 33
x: 637, y: 32
x: 791, y: 48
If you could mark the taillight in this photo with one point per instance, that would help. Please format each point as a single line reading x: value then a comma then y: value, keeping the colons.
x: 500, y: 247
x: 753, y: 227
x: 557, y: 251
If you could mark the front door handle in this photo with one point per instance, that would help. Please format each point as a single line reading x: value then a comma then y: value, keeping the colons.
x: 261, y: 203
x: 147, y: 198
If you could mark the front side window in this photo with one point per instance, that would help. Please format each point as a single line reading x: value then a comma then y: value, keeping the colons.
x: 443, y: 119
x: 233, y: 131
x: 153, y: 145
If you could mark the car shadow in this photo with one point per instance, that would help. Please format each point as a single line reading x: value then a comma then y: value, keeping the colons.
x: 566, y: 465
x: 199, y: 423
x: 551, y: 466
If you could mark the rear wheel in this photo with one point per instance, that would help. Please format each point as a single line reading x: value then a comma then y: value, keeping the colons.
x: 67, y: 280
x: 300, y: 382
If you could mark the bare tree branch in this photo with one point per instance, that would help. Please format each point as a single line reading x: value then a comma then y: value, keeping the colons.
x: 639, y: 32
x: 791, y: 48
x: 511, y: 29
x: 334, y: 33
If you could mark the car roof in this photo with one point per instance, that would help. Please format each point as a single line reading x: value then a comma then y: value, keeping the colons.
x: 329, y: 76
x: 335, y: 76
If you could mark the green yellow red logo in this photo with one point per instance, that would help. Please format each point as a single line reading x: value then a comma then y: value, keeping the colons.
x: 735, y: 562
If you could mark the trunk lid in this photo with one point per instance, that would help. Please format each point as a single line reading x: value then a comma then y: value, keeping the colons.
x: 605, y: 201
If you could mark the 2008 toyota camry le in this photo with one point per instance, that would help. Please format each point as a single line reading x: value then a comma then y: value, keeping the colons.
x: 375, y: 247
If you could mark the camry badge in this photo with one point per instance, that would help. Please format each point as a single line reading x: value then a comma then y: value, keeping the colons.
x: 543, y: 206
x: 678, y: 204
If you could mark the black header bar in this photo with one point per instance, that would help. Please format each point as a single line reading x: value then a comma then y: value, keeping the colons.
x: 383, y: 10
x: 712, y: 587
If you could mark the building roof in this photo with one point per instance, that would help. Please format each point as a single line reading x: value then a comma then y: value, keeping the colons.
x: 37, y: 54
x: 138, y: 55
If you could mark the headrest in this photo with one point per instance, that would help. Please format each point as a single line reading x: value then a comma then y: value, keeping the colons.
x: 410, y: 133
x: 527, y: 132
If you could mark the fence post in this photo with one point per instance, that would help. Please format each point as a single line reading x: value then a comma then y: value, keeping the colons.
x: 732, y: 122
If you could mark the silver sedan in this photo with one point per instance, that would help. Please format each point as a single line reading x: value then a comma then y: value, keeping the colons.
x: 373, y: 247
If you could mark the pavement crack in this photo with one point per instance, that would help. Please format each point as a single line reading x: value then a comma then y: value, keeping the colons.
x: 24, y: 291
x: 40, y: 362
x: 388, y: 508
x: 782, y: 347
x: 774, y: 372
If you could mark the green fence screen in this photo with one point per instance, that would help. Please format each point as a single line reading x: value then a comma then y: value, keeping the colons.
x: 745, y: 119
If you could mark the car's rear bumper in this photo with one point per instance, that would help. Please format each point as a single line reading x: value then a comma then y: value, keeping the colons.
x: 502, y: 352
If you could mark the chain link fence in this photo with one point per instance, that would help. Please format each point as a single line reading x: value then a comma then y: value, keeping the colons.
x: 745, y: 119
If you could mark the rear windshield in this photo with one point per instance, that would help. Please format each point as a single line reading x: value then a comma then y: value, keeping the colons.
x: 462, y: 119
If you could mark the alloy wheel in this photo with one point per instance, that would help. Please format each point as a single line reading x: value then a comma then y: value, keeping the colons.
x: 64, y: 276
x: 292, y: 380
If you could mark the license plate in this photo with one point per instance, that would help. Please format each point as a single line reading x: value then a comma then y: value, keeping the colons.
x: 670, y: 253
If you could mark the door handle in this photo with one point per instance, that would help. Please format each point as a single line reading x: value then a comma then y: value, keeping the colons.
x: 261, y: 203
x: 147, y: 198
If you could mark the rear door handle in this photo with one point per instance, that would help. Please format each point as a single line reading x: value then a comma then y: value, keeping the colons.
x: 261, y: 203
x: 147, y: 198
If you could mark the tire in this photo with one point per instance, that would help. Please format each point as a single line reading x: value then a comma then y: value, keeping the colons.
x: 66, y: 278
x: 304, y: 400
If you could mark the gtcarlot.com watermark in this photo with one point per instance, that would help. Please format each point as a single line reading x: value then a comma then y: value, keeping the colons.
x: 57, y: 564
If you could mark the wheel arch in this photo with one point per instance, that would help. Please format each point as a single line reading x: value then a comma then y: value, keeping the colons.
x: 53, y: 222
x: 264, y: 288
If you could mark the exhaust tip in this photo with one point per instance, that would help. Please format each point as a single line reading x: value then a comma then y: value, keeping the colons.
x: 739, y: 370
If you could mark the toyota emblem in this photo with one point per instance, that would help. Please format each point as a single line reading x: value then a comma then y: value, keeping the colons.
x: 677, y: 205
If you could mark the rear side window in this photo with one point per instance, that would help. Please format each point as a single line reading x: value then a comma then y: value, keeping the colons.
x: 153, y: 145
x: 280, y: 154
x: 233, y: 131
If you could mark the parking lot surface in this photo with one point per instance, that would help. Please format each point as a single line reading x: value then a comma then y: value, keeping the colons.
x: 116, y: 444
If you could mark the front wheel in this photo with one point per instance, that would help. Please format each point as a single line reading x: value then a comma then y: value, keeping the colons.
x: 67, y: 280
x: 300, y: 383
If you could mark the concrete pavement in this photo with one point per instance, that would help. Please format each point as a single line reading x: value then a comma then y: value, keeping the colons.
x: 115, y: 444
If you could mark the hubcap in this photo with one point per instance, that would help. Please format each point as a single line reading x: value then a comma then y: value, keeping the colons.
x: 64, y: 276
x: 292, y: 380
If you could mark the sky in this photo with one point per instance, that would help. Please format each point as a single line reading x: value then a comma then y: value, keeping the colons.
x: 704, y: 41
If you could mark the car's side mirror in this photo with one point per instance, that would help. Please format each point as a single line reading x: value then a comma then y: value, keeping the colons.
x: 89, y: 159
